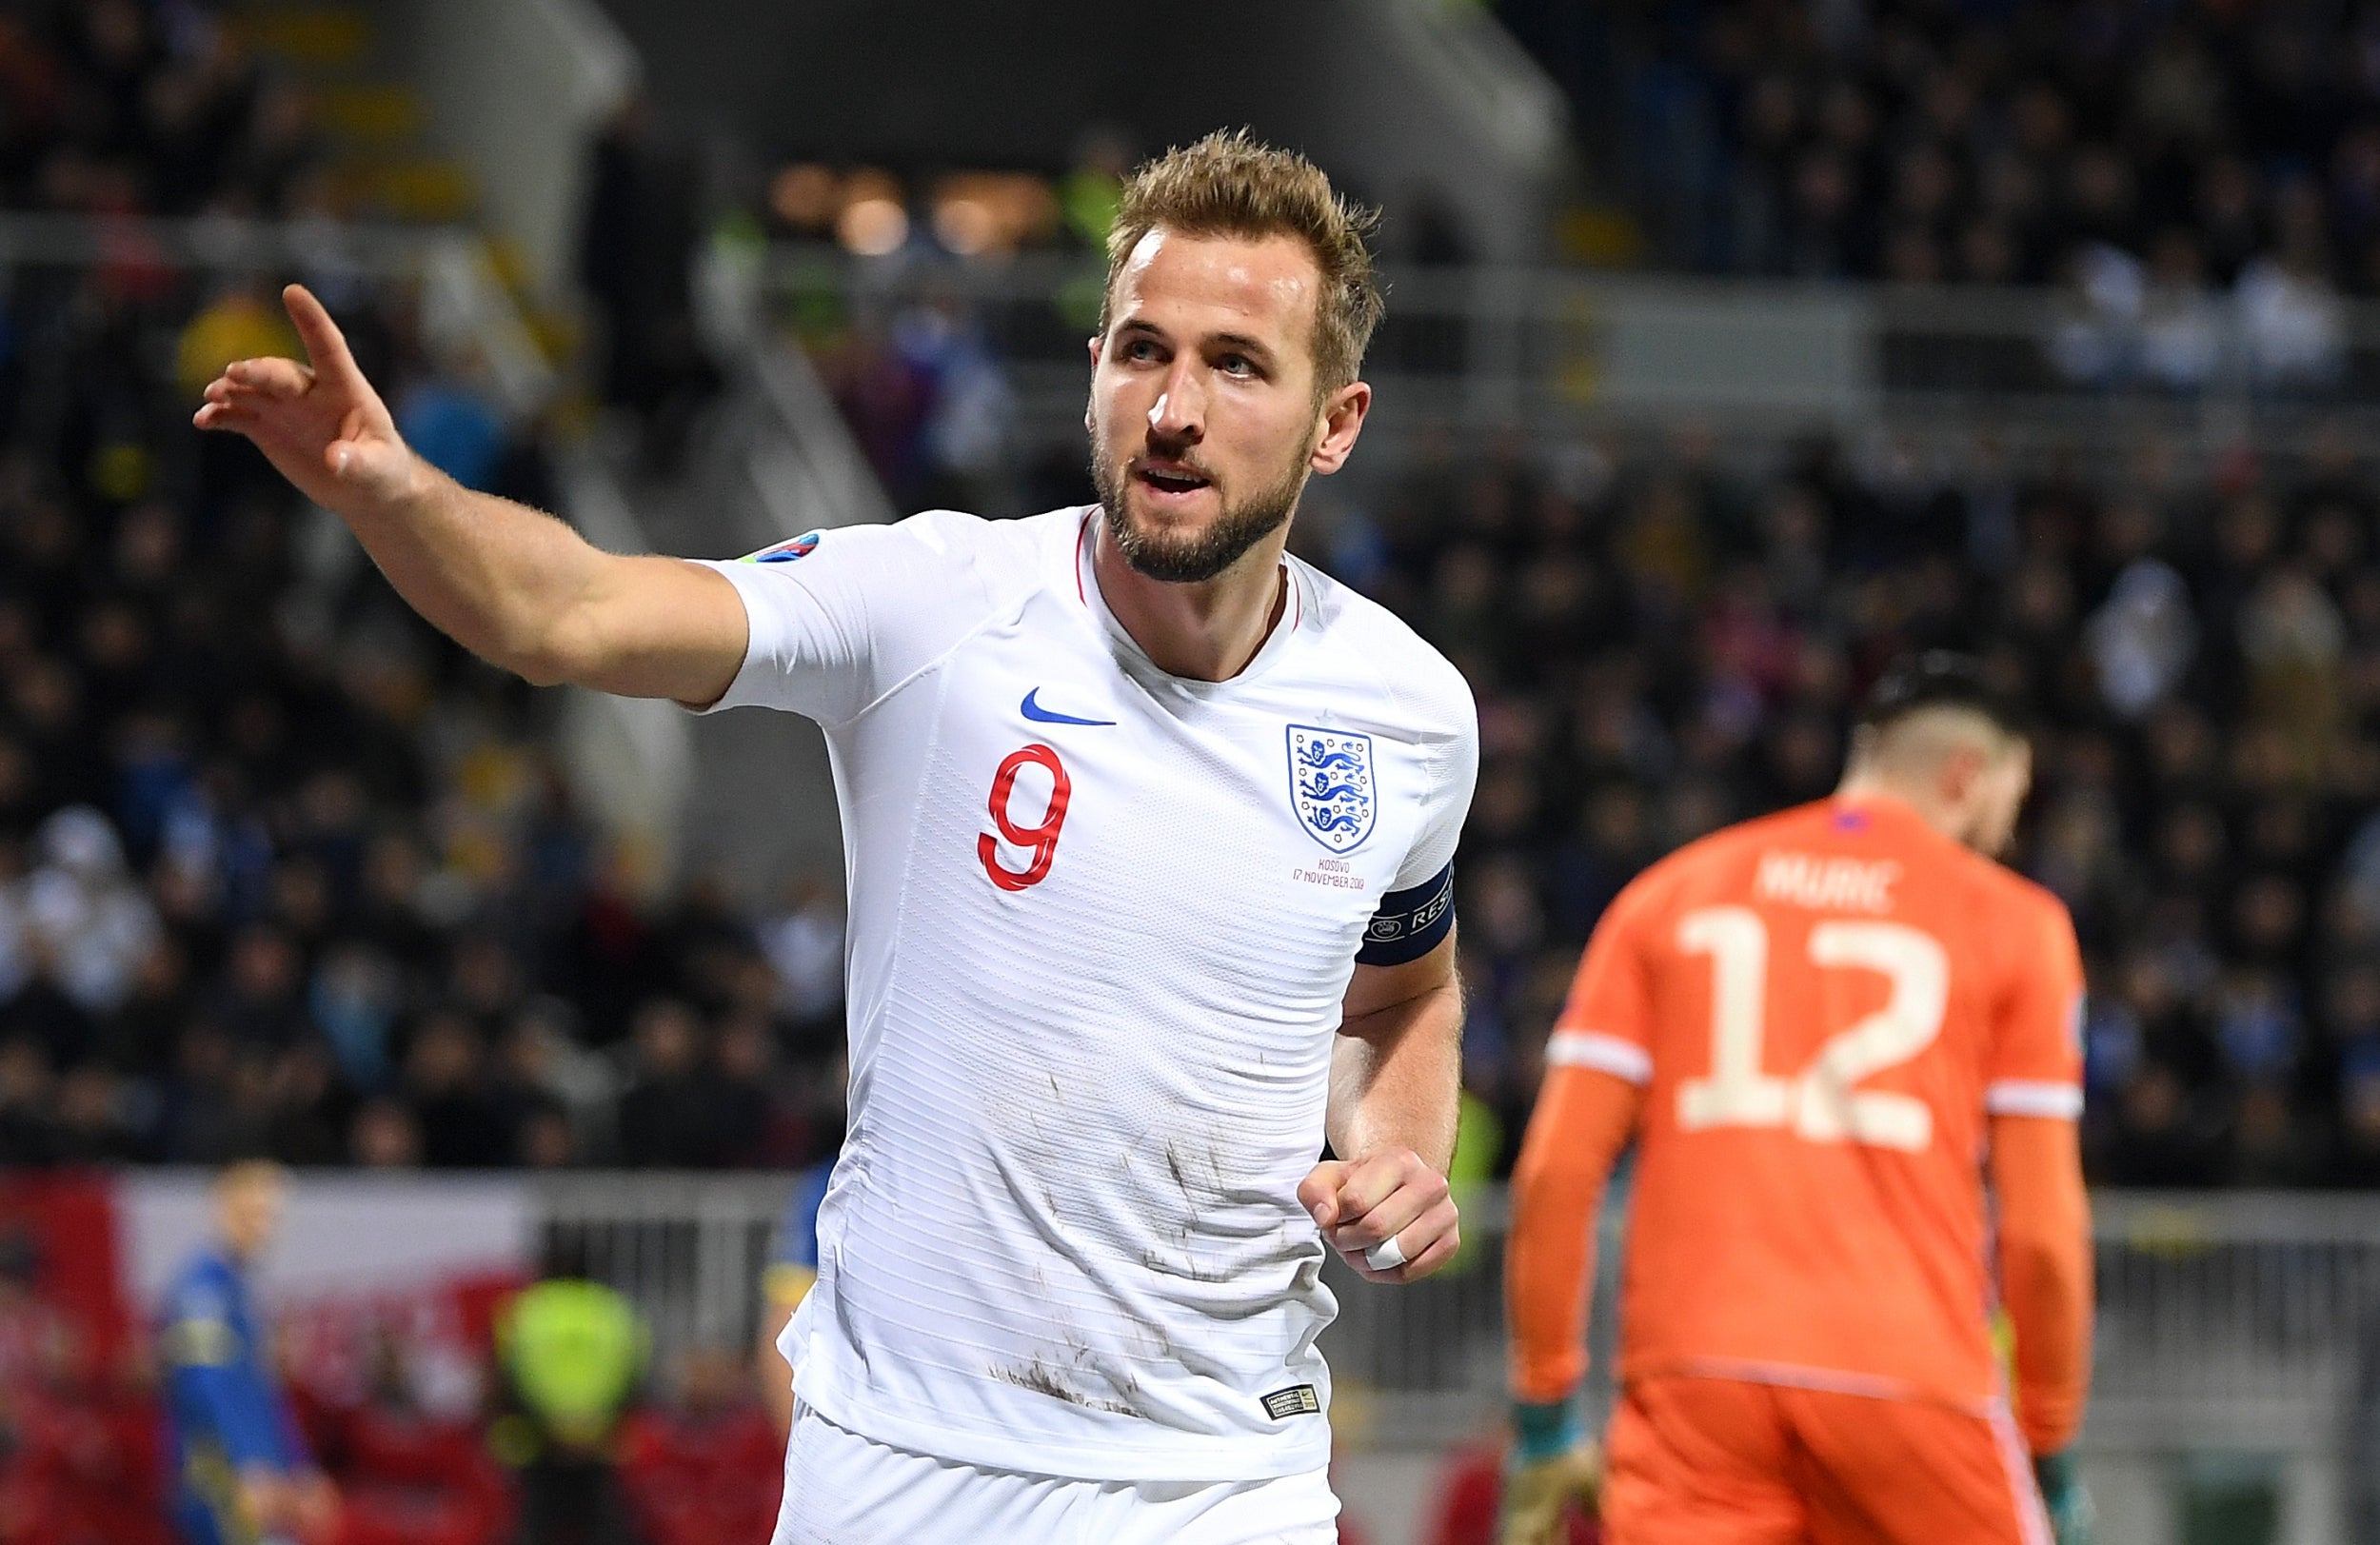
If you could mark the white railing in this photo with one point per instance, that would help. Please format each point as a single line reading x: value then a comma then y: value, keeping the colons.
x: 1550, y: 353
x: 466, y: 309
x: 2243, y: 1322
x: 688, y: 1249
x: 2249, y: 1322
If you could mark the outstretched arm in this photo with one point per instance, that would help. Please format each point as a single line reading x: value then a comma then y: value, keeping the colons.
x: 517, y: 587
x: 1396, y: 1083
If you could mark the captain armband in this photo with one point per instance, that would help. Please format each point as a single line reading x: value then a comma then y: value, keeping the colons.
x: 1410, y: 923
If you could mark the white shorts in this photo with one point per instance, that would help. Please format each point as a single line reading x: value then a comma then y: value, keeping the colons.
x: 843, y: 1489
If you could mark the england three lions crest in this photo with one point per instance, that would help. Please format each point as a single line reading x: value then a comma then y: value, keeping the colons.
x: 1331, y: 785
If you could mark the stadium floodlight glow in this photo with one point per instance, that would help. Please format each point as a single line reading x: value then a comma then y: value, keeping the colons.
x: 805, y: 197
x: 966, y: 226
x: 873, y: 227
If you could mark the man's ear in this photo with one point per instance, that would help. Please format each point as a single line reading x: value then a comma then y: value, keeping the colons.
x: 1341, y: 420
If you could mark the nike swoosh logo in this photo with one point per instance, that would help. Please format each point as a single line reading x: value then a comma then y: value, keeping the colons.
x: 1040, y: 715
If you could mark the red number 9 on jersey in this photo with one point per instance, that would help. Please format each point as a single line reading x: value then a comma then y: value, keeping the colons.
x: 1042, y: 840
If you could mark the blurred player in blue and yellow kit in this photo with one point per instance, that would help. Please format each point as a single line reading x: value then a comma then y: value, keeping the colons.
x: 242, y: 1473
x: 792, y: 1270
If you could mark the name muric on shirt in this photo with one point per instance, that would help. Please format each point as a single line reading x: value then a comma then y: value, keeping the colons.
x: 1826, y: 884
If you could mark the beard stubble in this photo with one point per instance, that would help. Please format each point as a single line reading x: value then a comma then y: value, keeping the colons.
x: 1201, y: 555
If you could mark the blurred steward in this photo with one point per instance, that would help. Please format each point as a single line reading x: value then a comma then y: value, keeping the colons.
x: 242, y: 1471
x: 572, y: 1351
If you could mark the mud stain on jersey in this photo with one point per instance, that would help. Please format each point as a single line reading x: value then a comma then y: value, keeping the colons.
x: 1187, y: 1267
x: 1039, y: 1376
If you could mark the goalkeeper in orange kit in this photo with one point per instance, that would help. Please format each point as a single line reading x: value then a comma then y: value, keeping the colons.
x: 1822, y: 1029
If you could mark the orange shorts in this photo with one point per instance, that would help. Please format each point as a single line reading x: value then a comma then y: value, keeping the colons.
x: 1723, y: 1462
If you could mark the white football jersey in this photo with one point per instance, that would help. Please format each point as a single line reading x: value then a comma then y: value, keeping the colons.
x: 1101, y: 921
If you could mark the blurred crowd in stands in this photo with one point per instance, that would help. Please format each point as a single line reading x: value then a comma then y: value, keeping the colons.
x: 1662, y: 645
x: 281, y: 871
x: 121, y: 107
x: 2180, y: 167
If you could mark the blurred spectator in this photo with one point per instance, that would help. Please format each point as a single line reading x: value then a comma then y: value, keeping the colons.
x: 2100, y: 310
x: 2292, y: 639
x: 355, y: 998
x: 410, y: 1457
x: 2354, y: 1161
x: 1469, y: 1493
x: 804, y: 946
x: 547, y: 1068
x: 968, y: 440
x: 85, y: 914
x: 887, y: 399
x: 238, y: 324
x: 2291, y: 322
x: 91, y: 1127
x: 240, y: 1465
x: 384, y: 1136
x: 28, y: 1091
x: 755, y: 1126
x: 706, y: 1464
x: 666, y: 1115
x: 453, y: 429
x: 2143, y: 638
x: 637, y: 245
x: 2181, y: 331
x: 792, y: 1271
x: 258, y: 1001
x: 446, y: 1085
x: 1094, y: 188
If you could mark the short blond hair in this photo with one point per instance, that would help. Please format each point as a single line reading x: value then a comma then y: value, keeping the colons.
x: 1229, y: 183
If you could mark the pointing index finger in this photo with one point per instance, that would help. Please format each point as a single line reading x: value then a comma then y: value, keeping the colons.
x: 325, y: 347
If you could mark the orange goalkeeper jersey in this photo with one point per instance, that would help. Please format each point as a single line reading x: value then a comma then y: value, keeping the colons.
x: 1822, y: 1007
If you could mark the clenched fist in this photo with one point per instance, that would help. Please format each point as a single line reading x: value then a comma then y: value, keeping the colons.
x: 1390, y: 1215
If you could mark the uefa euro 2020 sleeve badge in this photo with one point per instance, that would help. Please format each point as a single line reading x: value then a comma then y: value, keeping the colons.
x: 1331, y: 785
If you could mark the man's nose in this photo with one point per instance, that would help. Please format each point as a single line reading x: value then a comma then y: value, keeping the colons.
x: 1180, y: 412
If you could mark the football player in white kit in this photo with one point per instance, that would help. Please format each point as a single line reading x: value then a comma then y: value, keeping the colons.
x: 1150, y: 831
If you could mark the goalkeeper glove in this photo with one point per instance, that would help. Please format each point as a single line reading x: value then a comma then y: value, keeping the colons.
x: 2062, y: 1493
x: 1552, y: 1464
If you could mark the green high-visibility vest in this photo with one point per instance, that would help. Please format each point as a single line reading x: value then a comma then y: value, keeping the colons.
x: 574, y: 1352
